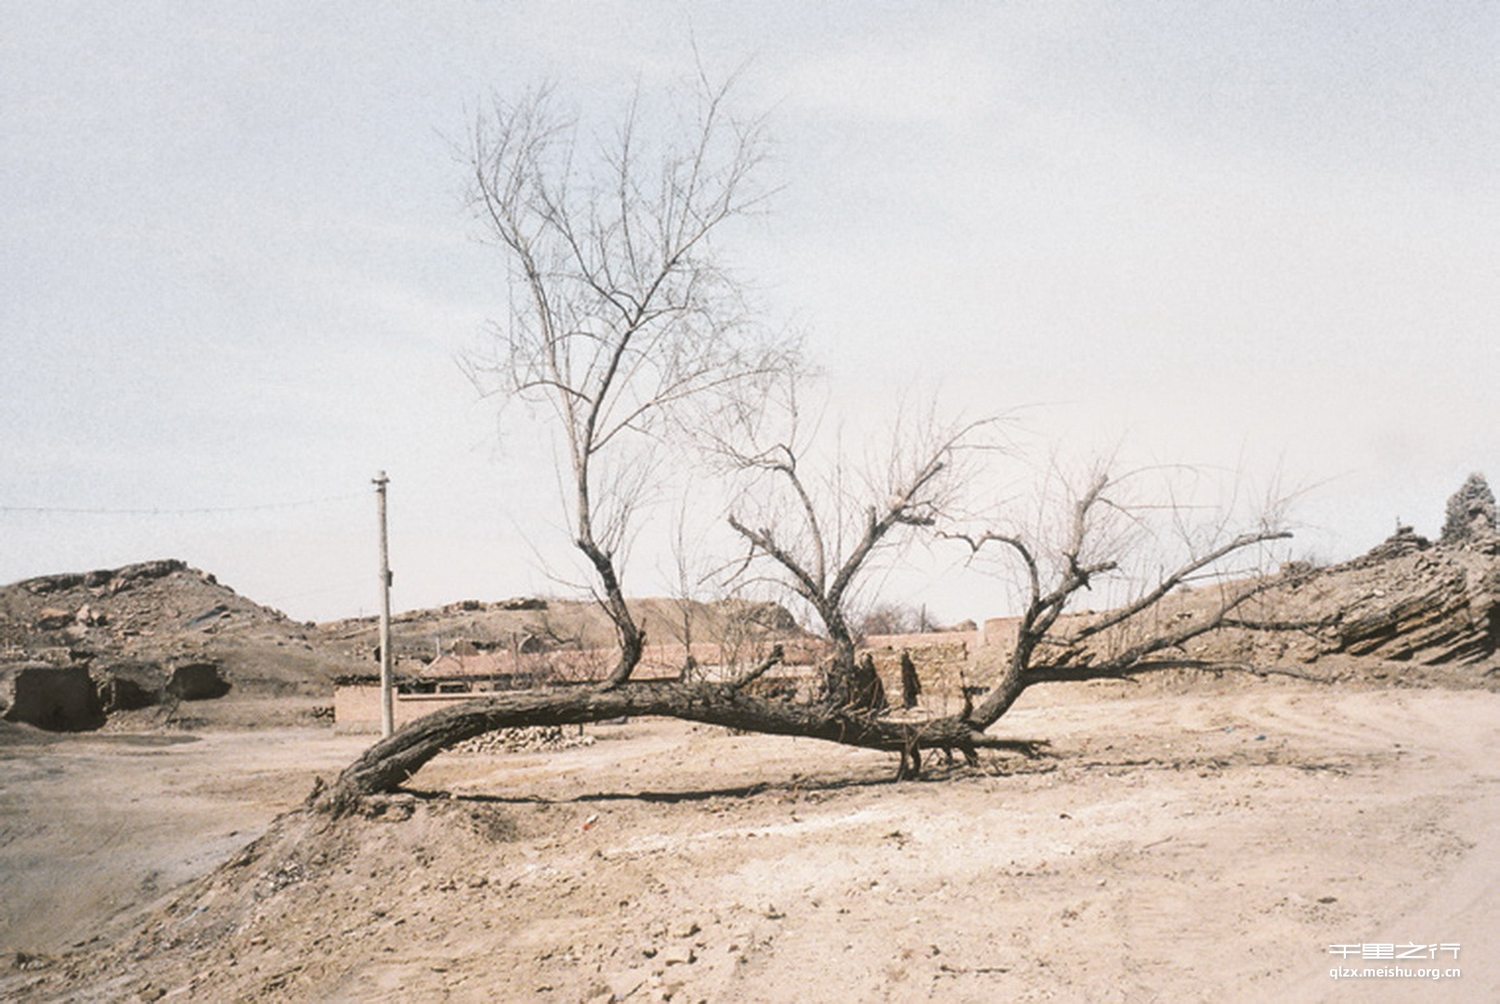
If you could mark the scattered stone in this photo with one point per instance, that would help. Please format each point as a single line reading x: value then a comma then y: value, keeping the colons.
x: 677, y: 955
x: 625, y: 984
x: 52, y: 619
x: 213, y: 613
x: 44, y: 584
x: 90, y: 616
x: 123, y: 576
x: 1404, y: 541
x: 533, y: 739
x: 523, y: 603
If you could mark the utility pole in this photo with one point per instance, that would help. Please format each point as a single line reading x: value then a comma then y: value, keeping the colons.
x: 387, y: 701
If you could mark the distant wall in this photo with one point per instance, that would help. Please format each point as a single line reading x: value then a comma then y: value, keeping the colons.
x: 946, y: 661
x: 356, y: 709
x: 356, y: 706
x: 657, y: 660
x: 928, y: 639
x: 943, y: 662
x: 1000, y: 632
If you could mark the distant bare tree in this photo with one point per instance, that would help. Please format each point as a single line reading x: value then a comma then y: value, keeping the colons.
x: 744, y: 633
x: 688, y: 578
x: 893, y: 618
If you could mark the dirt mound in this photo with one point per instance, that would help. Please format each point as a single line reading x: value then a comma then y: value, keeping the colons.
x: 530, y: 624
x: 160, y: 630
x: 311, y: 881
x: 1408, y: 611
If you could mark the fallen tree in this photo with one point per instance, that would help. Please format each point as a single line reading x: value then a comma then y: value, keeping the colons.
x: 626, y: 333
x: 390, y: 763
x: 1043, y: 652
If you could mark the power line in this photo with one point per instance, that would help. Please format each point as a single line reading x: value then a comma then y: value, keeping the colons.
x: 196, y: 511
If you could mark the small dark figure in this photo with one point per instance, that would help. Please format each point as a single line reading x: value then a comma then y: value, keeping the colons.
x: 911, y: 687
x: 869, y: 692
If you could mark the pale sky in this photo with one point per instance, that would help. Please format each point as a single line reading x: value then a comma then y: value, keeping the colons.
x: 236, y: 270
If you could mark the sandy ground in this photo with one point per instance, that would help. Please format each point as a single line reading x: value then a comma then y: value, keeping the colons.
x: 94, y: 826
x: 1175, y: 848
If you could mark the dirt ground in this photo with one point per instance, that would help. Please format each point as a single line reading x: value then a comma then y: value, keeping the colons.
x: 1206, y: 846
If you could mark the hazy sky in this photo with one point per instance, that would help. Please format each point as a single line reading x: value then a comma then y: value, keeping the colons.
x: 235, y: 266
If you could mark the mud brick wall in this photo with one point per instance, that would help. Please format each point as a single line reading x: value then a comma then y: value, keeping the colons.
x: 944, y: 662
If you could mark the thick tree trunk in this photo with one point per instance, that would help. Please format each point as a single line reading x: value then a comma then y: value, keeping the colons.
x: 631, y: 638
x: 391, y: 762
x: 850, y: 684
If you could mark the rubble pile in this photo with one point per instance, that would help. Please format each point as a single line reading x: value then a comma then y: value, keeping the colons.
x: 526, y: 740
x: 1470, y: 516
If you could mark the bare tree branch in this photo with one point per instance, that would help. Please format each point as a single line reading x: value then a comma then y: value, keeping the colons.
x: 1181, y: 575
x: 1076, y: 572
x: 773, y: 658
x: 823, y: 546
x: 622, y: 313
